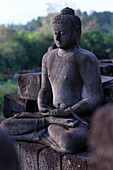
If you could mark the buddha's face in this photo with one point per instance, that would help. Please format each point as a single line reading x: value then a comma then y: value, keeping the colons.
x: 64, y: 36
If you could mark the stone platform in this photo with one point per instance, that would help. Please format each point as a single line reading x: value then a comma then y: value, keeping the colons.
x: 33, y: 156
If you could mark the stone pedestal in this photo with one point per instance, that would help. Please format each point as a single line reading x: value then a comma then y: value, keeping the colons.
x: 28, y: 155
x: 33, y: 156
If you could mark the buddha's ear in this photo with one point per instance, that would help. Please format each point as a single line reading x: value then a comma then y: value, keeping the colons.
x: 78, y: 36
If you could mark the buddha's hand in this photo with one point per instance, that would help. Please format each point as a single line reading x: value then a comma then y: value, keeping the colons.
x: 27, y: 115
x: 21, y: 115
x: 57, y: 113
x: 70, y: 123
x: 44, y: 109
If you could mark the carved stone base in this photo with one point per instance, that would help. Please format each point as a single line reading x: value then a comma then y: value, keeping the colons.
x: 34, y: 156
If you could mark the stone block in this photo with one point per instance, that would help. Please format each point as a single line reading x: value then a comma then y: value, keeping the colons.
x: 107, y: 83
x: 108, y: 91
x: 13, y: 104
x: 106, y: 69
x: 28, y: 155
x: 106, y: 79
x: 80, y: 161
x: 106, y: 61
x: 34, y: 156
x: 49, y: 160
x: 29, y: 85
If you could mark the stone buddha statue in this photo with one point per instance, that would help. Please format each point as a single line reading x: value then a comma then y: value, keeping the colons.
x: 70, y: 91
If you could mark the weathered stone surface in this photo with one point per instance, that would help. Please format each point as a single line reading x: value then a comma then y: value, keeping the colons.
x: 29, y: 85
x: 28, y: 154
x: 106, y: 61
x: 105, y: 79
x: 34, y: 156
x: 80, y: 161
x: 106, y: 69
x: 108, y: 91
x: 49, y: 159
x: 13, y: 104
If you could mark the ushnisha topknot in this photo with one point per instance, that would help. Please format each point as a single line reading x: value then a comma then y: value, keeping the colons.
x: 67, y: 16
x: 66, y: 11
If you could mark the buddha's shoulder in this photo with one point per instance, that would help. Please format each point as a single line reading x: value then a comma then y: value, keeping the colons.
x: 50, y: 54
x: 85, y: 55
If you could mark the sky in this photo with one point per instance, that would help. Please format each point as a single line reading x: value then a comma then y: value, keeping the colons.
x: 22, y: 11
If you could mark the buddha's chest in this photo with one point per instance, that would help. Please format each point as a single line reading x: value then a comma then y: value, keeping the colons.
x: 63, y: 70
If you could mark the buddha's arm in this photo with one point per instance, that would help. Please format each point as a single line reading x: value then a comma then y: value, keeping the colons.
x: 89, y: 72
x: 45, y: 94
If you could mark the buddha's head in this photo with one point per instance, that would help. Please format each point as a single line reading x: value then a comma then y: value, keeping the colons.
x: 66, y: 29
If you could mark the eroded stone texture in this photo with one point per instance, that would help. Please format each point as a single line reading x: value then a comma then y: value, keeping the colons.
x: 49, y: 160
x: 29, y: 85
x: 106, y: 61
x: 108, y: 88
x: 13, y: 104
x: 28, y: 154
x: 80, y: 161
x: 34, y: 156
x: 106, y: 69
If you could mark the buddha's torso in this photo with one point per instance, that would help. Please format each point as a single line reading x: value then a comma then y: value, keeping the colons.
x: 65, y: 79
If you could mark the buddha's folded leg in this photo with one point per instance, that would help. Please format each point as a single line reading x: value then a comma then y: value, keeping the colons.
x: 18, y: 126
x: 72, y: 140
x: 62, y: 139
x: 31, y: 136
x: 41, y: 137
x: 23, y: 126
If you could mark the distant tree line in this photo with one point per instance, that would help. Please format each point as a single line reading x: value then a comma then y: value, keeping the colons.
x: 22, y: 46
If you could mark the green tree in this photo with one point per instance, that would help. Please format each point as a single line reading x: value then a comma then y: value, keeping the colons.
x: 94, y: 42
x: 14, y: 55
